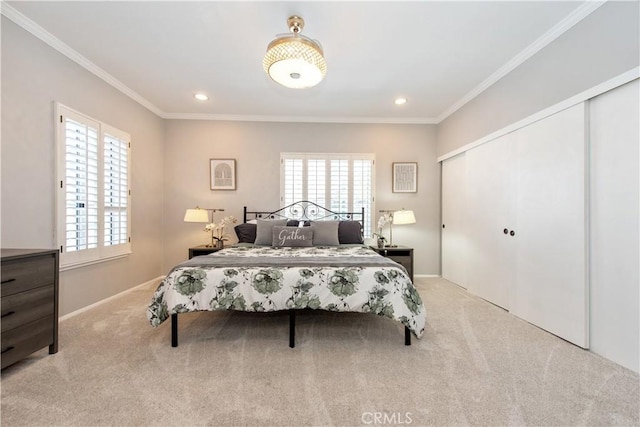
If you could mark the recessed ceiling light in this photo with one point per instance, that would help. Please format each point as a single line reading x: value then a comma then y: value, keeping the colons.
x: 400, y: 101
x: 201, y: 97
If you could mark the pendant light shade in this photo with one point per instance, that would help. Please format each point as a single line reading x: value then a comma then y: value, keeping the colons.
x: 293, y: 60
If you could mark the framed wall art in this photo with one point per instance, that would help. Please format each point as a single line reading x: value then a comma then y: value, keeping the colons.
x: 223, y: 174
x: 405, y: 177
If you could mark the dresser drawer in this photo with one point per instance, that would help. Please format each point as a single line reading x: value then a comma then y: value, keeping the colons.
x: 20, y: 342
x: 24, y: 274
x: 24, y: 307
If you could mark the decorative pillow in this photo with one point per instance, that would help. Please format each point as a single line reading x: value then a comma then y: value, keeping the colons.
x: 325, y: 233
x: 246, y: 232
x: 264, y: 230
x: 350, y: 232
x: 292, y: 236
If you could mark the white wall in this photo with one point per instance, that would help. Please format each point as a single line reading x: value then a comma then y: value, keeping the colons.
x: 34, y: 76
x: 615, y: 189
x: 257, y: 147
x: 602, y: 46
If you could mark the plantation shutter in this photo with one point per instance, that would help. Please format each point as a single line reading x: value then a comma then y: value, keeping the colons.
x: 339, y: 185
x: 116, y: 188
x: 339, y: 182
x: 316, y: 181
x: 363, y: 191
x: 93, y: 201
x: 81, y: 191
x: 293, y: 181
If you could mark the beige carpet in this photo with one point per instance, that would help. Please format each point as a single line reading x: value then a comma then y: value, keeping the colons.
x: 476, y: 365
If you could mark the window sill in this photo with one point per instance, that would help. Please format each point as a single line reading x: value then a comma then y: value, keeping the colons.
x: 80, y: 264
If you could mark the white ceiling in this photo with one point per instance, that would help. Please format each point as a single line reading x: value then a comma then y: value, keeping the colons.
x: 438, y: 55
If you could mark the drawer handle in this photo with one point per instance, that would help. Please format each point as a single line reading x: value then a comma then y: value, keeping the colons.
x: 7, y: 281
x: 7, y: 349
x: 7, y: 314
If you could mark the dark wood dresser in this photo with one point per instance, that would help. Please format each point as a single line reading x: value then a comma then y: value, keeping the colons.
x: 29, y: 299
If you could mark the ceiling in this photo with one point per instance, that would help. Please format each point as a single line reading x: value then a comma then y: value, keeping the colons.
x: 438, y: 55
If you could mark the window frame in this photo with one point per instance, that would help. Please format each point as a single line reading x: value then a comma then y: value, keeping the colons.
x: 101, y: 253
x: 327, y: 157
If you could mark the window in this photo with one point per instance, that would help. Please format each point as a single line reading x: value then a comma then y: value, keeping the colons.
x: 93, y: 215
x: 339, y: 182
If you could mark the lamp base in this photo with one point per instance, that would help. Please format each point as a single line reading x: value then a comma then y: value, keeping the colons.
x: 391, y: 246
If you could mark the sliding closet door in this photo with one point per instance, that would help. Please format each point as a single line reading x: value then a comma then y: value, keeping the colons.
x: 491, y: 206
x: 550, y: 289
x: 615, y: 196
x: 454, y: 193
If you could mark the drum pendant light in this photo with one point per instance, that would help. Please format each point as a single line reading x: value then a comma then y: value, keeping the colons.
x: 293, y: 60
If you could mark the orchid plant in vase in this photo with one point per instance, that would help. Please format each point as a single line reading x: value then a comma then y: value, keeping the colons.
x: 382, y: 221
x: 217, y: 231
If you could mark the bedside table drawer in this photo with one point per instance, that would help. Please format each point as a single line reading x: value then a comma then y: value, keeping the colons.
x: 395, y: 253
x: 202, y: 250
x: 404, y: 261
x: 400, y: 254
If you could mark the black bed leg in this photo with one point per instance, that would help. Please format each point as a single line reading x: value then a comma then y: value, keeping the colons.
x: 407, y: 336
x: 292, y: 328
x: 174, y: 330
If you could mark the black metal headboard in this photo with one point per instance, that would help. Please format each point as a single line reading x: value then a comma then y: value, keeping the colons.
x: 305, y: 210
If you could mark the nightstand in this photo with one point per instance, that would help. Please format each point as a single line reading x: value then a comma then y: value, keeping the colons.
x: 202, y: 250
x: 400, y: 254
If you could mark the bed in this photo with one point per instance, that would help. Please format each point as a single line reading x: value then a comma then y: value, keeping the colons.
x: 300, y: 257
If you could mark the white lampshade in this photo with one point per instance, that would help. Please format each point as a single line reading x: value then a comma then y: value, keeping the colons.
x: 404, y: 217
x: 196, y: 215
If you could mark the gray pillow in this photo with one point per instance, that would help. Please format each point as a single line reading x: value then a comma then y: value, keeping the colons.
x: 292, y: 237
x: 264, y: 230
x: 325, y: 233
x: 350, y: 232
x: 246, y: 232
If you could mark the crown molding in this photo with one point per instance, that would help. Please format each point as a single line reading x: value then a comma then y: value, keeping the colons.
x: 39, y: 32
x: 301, y: 119
x: 584, y: 96
x: 556, y: 31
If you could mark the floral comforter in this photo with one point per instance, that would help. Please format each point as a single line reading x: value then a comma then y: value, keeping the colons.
x: 352, y: 278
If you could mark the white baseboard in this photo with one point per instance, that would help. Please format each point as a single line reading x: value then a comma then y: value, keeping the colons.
x: 95, y: 304
x: 426, y: 275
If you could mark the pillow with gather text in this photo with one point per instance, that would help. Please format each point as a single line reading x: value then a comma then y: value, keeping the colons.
x: 264, y: 229
x: 325, y: 233
x: 292, y: 237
